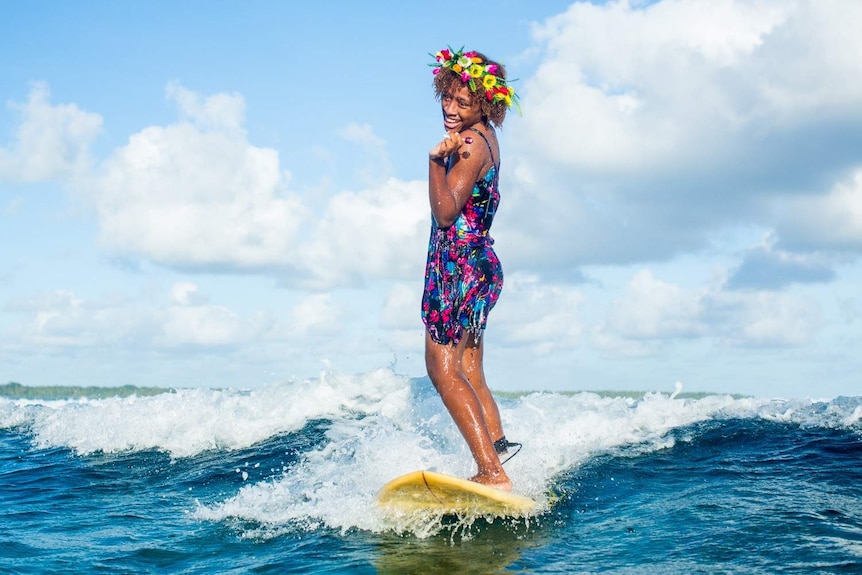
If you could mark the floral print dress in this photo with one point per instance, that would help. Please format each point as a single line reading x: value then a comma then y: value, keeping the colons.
x: 463, y: 276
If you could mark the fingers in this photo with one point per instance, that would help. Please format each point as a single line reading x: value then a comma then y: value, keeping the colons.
x: 450, y: 144
x: 452, y: 141
x: 456, y: 137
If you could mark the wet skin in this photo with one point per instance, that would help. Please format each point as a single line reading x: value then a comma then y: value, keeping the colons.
x: 456, y: 370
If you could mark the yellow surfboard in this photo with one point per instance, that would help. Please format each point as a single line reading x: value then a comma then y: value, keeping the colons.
x: 438, y: 492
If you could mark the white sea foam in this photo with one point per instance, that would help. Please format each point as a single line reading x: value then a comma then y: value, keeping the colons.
x: 381, y: 425
x: 336, y: 484
x: 190, y: 421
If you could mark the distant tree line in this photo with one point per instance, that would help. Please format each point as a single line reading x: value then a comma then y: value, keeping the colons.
x: 15, y: 390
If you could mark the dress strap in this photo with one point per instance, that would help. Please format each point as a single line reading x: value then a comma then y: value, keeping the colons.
x: 490, y: 149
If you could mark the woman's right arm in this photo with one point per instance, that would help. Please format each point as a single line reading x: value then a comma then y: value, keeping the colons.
x: 449, y: 192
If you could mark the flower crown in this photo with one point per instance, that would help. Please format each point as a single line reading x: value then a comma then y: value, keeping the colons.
x: 475, y: 72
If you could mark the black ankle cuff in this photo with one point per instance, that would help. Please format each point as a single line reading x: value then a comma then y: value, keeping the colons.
x: 501, y: 445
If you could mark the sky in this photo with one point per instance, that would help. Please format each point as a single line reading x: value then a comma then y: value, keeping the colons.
x: 234, y: 194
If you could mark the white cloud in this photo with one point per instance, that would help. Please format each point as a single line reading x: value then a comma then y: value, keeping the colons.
x: 316, y: 314
x: 373, y: 166
x: 191, y: 320
x: 653, y: 309
x: 205, y: 326
x: 188, y: 195
x: 197, y: 195
x: 765, y: 319
x: 217, y: 112
x: 183, y: 322
x: 185, y: 293
x: 831, y: 220
x: 766, y: 267
x: 51, y: 141
x: 401, y: 306
x: 362, y: 134
x: 542, y: 316
x: 701, y: 73
x: 625, y: 88
x: 810, y: 64
x: 646, y: 130
x: 61, y: 319
x: 379, y: 233
x: 653, y: 313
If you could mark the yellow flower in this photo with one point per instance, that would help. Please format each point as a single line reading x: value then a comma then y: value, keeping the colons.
x: 489, y: 81
x: 457, y: 68
x: 476, y: 71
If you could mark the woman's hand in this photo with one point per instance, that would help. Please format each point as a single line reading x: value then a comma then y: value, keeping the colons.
x: 450, y: 144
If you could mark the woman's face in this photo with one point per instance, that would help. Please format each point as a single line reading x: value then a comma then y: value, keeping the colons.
x: 460, y: 109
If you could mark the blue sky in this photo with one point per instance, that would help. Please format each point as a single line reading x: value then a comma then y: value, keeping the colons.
x: 232, y: 194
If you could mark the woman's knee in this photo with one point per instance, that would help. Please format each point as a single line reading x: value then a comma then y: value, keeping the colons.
x: 441, y: 361
x: 436, y: 366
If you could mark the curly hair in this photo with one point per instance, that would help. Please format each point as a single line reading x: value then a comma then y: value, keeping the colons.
x: 494, y: 112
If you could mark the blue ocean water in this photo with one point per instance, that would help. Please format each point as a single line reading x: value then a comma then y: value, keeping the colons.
x: 282, y: 480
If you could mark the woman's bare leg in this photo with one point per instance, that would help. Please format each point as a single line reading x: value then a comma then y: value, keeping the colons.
x: 444, y: 364
x: 472, y: 366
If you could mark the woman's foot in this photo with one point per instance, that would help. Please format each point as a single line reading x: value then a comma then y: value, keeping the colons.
x: 497, y: 481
